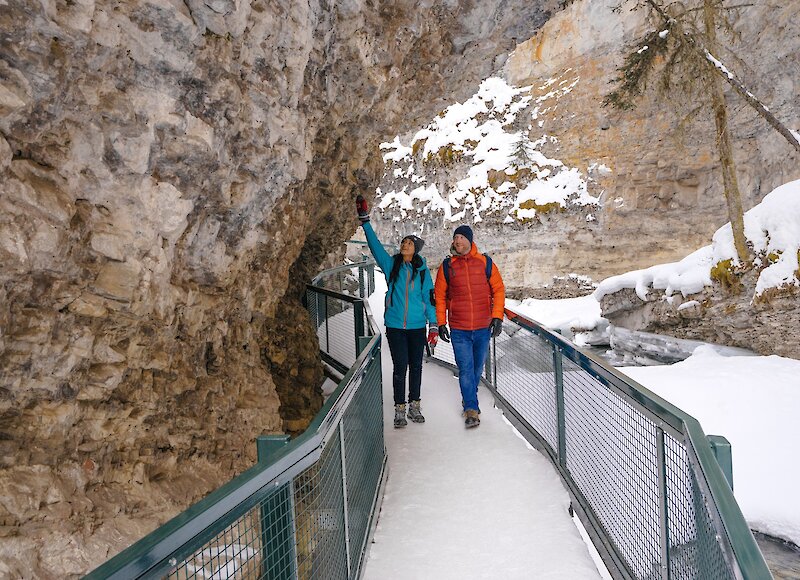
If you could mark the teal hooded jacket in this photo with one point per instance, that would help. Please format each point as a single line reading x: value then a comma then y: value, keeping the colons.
x: 408, y: 301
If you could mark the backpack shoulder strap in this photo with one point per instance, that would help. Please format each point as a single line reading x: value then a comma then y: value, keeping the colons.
x: 446, y: 268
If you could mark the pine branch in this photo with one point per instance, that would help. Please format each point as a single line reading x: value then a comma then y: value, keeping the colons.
x: 633, y: 74
x: 751, y: 100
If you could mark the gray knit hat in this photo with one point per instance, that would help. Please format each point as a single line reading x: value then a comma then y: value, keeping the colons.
x: 417, y: 241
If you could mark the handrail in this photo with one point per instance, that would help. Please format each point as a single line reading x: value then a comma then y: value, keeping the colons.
x: 337, y: 269
x: 661, y: 409
x: 737, y: 541
x: 670, y: 438
x: 391, y: 248
x: 161, y: 550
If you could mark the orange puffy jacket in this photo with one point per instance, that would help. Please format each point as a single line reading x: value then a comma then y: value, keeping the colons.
x: 470, y: 301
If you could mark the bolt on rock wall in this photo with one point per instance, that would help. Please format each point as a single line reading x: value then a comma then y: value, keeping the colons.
x: 172, y: 175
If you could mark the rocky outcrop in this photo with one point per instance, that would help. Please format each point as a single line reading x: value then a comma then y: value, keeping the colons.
x: 719, y: 314
x: 662, y: 198
x: 172, y: 175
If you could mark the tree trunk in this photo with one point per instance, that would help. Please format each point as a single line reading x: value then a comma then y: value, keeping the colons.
x: 730, y: 183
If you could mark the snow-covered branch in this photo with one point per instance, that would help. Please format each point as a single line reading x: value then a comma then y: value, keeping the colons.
x: 752, y: 100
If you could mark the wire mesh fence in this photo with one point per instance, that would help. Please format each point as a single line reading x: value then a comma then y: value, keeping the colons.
x: 612, y: 457
x: 639, y: 471
x: 307, y: 509
x: 523, y: 357
x: 335, y: 318
x: 351, y: 279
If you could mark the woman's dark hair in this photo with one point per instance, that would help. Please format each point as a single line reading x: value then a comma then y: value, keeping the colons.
x: 416, y: 262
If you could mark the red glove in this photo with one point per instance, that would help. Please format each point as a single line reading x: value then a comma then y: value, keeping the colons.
x: 362, y: 209
x: 433, y: 336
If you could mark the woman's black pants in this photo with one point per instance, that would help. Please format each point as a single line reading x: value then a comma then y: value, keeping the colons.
x: 406, y: 347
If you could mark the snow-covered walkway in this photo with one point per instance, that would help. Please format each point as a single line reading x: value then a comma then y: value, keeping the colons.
x: 478, y: 503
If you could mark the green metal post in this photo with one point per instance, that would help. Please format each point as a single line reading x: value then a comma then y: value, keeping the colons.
x: 327, y: 327
x: 358, y: 313
x: 278, y: 559
x: 722, y: 451
x: 268, y: 445
x: 663, y: 504
x: 345, y: 500
x: 562, y: 429
x: 494, y: 363
x: 371, y: 271
x: 487, y: 365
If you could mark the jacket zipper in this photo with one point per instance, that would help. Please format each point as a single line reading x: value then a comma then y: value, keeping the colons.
x: 405, y: 312
x: 469, y: 290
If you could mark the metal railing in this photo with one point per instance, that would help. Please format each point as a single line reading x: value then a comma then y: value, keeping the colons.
x: 308, y: 508
x: 642, y: 476
x: 357, y: 279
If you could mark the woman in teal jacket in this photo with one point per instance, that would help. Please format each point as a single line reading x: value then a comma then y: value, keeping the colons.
x: 409, y: 306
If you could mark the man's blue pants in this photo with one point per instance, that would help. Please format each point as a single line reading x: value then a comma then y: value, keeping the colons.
x: 470, y: 348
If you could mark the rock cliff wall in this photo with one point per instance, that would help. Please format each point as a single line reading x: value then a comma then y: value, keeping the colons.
x: 172, y: 175
x: 662, y: 198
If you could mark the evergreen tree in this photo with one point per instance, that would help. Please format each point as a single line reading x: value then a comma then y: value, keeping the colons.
x: 523, y: 153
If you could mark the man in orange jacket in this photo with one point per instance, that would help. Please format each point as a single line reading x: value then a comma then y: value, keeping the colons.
x: 470, y: 297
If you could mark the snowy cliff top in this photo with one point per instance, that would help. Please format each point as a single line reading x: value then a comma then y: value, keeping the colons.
x: 490, y: 148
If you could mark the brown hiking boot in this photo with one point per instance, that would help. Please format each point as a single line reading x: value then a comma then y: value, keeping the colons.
x: 415, y: 413
x: 472, y: 419
x: 400, y: 416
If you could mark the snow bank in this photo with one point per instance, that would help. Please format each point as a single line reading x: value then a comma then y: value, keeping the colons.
x: 773, y: 229
x: 568, y: 314
x: 754, y: 402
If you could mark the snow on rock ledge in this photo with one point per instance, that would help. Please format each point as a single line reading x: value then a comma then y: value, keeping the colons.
x: 710, y: 296
x: 485, y: 146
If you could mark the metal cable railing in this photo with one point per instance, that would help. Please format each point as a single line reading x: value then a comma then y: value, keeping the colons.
x: 307, y: 509
x: 640, y: 472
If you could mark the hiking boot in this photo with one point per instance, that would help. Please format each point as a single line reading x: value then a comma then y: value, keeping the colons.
x: 472, y: 419
x: 415, y: 413
x: 400, y: 416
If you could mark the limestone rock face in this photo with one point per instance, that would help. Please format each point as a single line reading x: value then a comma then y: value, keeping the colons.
x: 172, y: 176
x: 662, y: 198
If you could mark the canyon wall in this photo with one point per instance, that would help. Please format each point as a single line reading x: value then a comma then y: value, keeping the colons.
x: 172, y: 174
x: 654, y: 169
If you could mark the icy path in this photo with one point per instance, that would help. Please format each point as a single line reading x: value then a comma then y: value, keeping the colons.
x: 466, y: 504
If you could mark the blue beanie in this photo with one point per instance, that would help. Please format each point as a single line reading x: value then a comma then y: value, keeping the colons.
x: 465, y: 231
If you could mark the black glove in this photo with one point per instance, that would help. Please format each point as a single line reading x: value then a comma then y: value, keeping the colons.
x: 444, y: 334
x: 496, y: 327
x: 362, y: 209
